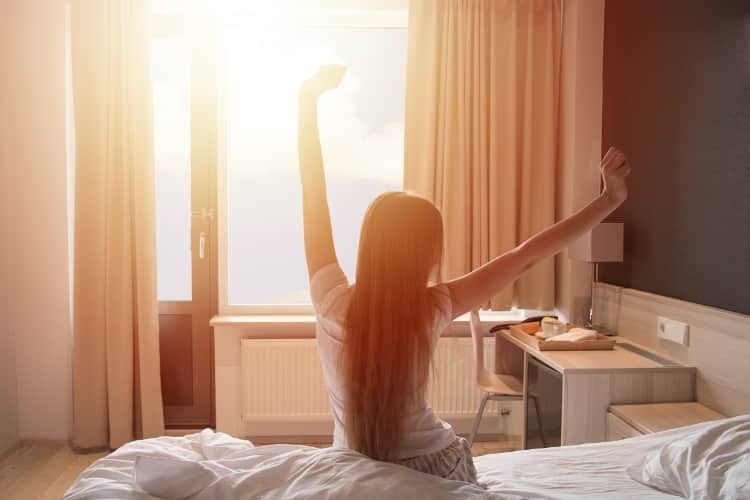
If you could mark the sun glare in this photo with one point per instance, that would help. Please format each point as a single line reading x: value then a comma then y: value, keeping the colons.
x: 266, y: 68
x: 264, y: 51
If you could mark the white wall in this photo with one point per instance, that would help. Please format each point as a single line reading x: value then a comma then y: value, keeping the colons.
x: 32, y: 128
x: 580, y: 138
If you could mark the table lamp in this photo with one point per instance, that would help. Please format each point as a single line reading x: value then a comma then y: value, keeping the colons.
x: 603, y: 244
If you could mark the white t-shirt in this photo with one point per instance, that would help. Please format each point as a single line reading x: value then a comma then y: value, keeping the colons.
x: 425, y: 433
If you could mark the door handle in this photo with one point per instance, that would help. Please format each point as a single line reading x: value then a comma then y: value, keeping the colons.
x: 203, y: 214
x: 202, y: 246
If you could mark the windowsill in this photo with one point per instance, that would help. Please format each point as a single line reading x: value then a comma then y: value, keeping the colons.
x: 255, y: 319
x: 487, y: 317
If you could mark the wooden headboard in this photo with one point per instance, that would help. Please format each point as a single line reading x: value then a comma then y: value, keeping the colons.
x: 719, y: 341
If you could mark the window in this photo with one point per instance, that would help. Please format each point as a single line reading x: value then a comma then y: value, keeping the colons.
x: 225, y: 117
x: 262, y: 264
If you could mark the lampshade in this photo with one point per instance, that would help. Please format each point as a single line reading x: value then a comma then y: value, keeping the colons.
x: 603, y: 244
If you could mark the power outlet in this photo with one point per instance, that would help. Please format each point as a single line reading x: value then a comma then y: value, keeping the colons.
x: 674, y: 331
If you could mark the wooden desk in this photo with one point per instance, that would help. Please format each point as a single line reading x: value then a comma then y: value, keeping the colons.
x: 591, y: 382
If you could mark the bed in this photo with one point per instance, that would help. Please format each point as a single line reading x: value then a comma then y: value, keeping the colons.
x: 211, y: 465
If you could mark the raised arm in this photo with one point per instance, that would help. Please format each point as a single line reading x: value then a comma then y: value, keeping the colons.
x: 319, y: 249
x: 477, y: 287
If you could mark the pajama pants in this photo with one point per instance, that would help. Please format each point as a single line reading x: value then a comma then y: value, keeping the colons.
x: 452, y: 462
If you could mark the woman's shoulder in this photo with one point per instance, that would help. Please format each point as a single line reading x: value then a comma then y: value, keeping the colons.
x: 441, y: 296
x: 440, y: 293
x: 325, y: 280
x: 330, y: 292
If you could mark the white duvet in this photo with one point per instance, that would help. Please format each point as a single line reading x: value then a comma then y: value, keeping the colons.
x: 710, y: 464
x: 212, y: 465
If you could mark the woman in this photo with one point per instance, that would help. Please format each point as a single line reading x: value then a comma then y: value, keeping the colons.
x: 376, y: 339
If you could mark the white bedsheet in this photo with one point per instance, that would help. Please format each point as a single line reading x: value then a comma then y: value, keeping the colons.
x: 593, y: 471
x: 237, y: 469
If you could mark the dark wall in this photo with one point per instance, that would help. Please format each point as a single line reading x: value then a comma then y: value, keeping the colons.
x: 677, y: 102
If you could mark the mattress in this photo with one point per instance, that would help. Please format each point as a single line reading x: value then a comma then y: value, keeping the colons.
x: 212, y: 465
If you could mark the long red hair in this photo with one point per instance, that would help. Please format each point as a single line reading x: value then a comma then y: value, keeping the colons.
x: 388, y: 346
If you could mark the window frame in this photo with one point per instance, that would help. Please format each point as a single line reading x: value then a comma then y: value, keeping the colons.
x: 318, y: 18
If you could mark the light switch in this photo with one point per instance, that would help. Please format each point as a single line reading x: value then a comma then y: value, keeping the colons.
x: 674, y: 331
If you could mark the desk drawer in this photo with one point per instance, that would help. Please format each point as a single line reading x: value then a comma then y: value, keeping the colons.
x: 618, y: 429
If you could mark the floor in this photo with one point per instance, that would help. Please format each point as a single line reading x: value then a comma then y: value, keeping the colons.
x: 39, y: 470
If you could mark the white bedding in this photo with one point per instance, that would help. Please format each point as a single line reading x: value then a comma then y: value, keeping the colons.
x: 214, y: 465
x: 240, y: 470
x: 594, y: 471
x: 710, y: 464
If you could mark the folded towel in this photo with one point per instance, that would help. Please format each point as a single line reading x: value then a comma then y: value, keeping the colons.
x: 576, y: 335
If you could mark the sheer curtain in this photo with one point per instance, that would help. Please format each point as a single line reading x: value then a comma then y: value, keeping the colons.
x: 481, y: 130
x: 116, y: 379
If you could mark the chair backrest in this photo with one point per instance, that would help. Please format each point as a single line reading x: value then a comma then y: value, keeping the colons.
x: 477, y: 336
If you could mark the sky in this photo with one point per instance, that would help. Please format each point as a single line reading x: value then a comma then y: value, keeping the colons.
x: 361, y: 126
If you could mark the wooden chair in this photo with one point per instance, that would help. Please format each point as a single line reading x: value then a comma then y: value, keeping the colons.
x: 494, y: 386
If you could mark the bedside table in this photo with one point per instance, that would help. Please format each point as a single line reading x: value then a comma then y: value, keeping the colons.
x: 628, y: 420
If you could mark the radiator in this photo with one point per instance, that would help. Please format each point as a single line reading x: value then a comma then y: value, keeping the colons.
x: 282, y: 381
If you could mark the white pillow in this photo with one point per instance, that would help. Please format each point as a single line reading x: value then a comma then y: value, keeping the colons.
x: 713, y: 463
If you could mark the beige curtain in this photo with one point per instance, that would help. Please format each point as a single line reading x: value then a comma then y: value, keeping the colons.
x: 117, y: 386
x: 481, y: 129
